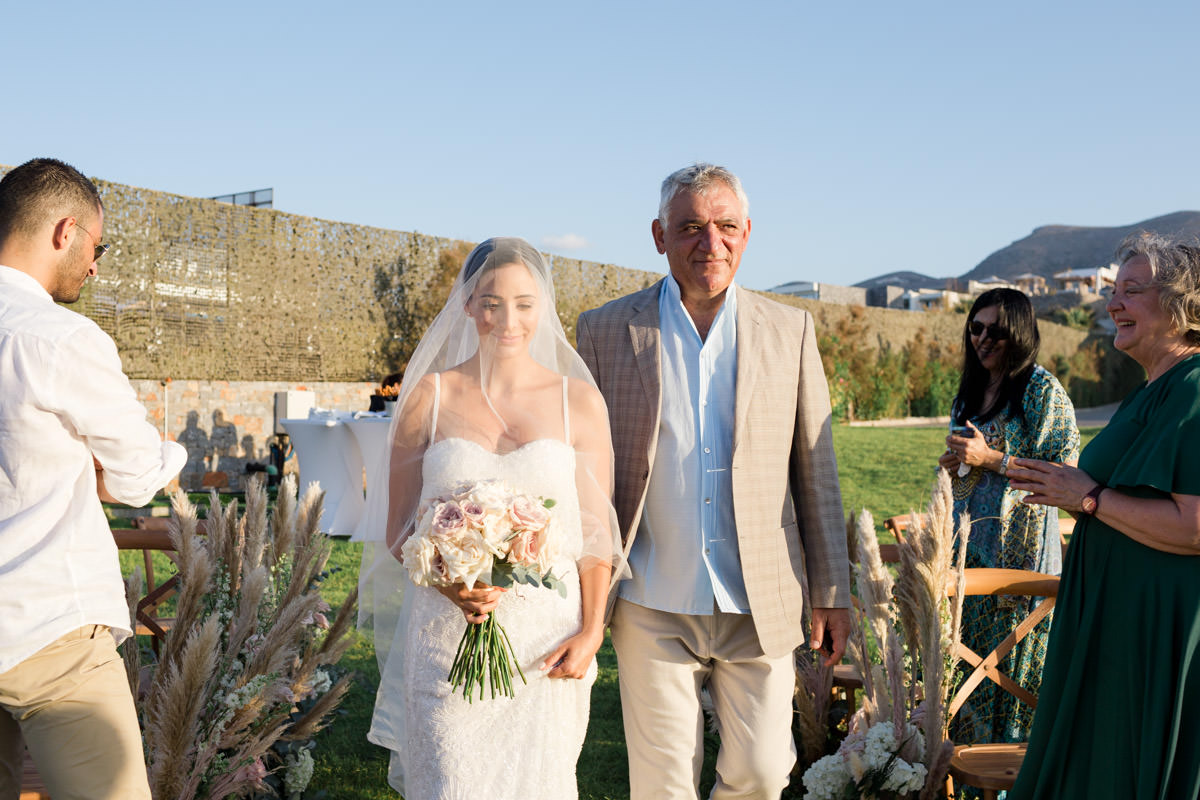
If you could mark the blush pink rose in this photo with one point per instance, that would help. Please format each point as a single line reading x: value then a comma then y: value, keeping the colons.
x: 473, y: 511
x: 528, y: 514
x: 448, y: 520
x: 523, y: 548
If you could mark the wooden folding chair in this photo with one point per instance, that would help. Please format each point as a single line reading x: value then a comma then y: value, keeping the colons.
x: 1066, y: 527
x: 994, y: 767
x: 898, y: 524
x: 32, y: 786
x: 149, y: 535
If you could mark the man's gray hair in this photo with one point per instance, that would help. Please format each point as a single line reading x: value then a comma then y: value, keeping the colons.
x: 699, y: 178
x: 1175, y: 266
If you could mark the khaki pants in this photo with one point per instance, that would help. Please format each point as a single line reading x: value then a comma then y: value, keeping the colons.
x: 663, y: 661
x: 70, y: 702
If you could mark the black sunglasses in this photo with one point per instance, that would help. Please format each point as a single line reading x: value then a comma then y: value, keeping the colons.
x: 100, y: 249
x: 996, y: 333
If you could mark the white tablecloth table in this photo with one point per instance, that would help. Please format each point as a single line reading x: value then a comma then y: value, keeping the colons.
x: 328, y: 454
x: 371, y: 434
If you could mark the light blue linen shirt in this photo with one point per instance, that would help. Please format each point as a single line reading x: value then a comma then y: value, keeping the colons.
x: 685, y: 557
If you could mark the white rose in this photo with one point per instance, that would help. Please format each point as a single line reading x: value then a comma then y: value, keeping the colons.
x: 419, y: 556
x: 495, y: 530
x: 468, y: 561
x: 490, y: 495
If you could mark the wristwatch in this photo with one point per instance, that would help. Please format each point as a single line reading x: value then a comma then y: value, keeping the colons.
x: 1091, y: 500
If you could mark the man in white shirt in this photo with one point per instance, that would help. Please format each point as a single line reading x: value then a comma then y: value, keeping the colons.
x: 728, y: 499
x: 72, y: 432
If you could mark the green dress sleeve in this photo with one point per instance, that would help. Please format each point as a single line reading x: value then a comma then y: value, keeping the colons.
x: 1162, y: 448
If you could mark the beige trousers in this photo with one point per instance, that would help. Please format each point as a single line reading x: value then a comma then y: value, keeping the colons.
x: 70, y: 701
x: 663, y: 661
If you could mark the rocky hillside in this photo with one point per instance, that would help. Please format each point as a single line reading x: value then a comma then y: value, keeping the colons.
x: 1054, y: 248
x: 905, y: 280
x: 1050, y: 249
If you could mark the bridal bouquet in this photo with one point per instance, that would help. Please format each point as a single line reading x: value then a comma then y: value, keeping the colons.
x: 485, y: 533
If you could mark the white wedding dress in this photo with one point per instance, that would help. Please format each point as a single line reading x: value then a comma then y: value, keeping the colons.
x: 523, y: 748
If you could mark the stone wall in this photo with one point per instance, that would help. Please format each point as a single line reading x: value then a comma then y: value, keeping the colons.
x: 226, y: 424
x: 843, y: 295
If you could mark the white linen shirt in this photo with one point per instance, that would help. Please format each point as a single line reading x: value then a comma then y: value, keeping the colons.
x: 63, y: 400
x: 685, y: 557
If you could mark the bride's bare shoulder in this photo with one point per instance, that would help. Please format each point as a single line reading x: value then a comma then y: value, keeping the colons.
x: 587, y: 404
x: 413, y: 425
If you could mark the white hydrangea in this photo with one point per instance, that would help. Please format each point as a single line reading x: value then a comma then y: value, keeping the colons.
x: 321, y: 682
x: 297, y: 773
x: 861, y: 762
x: 826, y: 779
x: 905, y: 777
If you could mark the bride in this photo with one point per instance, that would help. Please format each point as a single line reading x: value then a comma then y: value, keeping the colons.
x: 493, y: 391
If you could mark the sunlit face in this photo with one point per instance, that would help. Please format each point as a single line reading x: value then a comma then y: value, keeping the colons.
x: 1143, y: 329
x: 78, y: 263
x: 704, y: 239
x: 989, y: 347
x: 505, y: 306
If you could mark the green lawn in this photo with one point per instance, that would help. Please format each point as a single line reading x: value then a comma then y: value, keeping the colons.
x: 886, y: 470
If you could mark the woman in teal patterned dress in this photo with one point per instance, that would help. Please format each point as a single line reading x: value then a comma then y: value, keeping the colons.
x: 1011, y: 408
x: 1119, y: 713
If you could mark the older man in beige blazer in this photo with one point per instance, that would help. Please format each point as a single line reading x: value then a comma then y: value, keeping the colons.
x: 728, y: 500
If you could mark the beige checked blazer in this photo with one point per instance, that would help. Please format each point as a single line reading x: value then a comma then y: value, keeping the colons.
x: 787, y: 503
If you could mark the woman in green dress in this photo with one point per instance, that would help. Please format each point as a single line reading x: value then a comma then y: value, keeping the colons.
x: 1007, y: 407
x: 1119, y: 712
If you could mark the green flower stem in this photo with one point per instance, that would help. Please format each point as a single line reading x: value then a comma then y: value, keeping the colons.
x: 485, y: 658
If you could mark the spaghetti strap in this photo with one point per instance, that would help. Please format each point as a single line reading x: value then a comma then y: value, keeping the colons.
x: 566, y: 413
x: 437, y: 401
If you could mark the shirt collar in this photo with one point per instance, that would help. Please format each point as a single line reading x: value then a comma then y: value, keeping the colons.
x: 23, y: 280
x: 673, y: 294
x: 672, y: 299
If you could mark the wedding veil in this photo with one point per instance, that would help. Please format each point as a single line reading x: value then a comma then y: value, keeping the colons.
x: 452, y: 346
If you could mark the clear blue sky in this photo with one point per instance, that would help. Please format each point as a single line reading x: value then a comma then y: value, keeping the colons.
x: 870, y: 137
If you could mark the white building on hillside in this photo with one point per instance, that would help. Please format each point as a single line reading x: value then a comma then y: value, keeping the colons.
x: 932, y: 299
x: 1031, y: 284
x: 1087, y: 280
x: 975, y: 287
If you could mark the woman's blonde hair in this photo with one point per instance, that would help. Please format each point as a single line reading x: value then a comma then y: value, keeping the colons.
x: 1175, y: 268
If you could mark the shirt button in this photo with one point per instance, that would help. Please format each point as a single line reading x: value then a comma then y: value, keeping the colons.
x: 707, y: 500
x: 707, y: 450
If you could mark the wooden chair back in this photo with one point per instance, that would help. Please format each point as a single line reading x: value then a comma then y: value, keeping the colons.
x: 32, y: 785
x: 994, y: 766
x: 898, y: 524
x: 1066, y: 527
x: 150, y: 535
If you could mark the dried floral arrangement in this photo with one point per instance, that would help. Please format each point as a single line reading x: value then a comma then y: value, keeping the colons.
x: 246, y: 675
x: 903, y: 643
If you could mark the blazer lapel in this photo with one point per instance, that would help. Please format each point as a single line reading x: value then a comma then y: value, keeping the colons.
x: 749, y: 345
x: 644, y: 335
